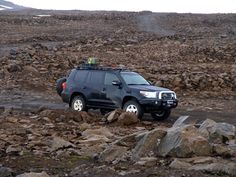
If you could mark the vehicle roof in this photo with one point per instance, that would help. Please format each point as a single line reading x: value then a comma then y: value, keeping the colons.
x: 100, y: 68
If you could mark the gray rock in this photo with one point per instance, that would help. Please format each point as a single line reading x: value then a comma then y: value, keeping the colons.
x: 130, y: 140
x: 14, y: 68
x: 207, y: 164
x: 180, y: 121
x: 217, y: 167
x: 98, y: 131
x: 112, y: 153
x: 14, y: 150
x: 96, y: 136
x: 59, y: 143
x: 147, y: 161
x: 217, y: 132
x: 148, y: 143
x: 184, y: 141
x: 127, y: 118
x: 2, y: 109
x: 200, y: 160
x: 113, y: 116
x: 225, y: 150
x: 6, y: 172
x: 180, y: 164
x: 84, y: 126
x: 13, y: 52
x: 31, y: 174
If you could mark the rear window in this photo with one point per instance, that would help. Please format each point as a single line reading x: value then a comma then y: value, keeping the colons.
x: 96, y: 78
x: 80, y: 76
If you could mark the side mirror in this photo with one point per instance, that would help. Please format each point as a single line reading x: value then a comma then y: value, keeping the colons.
x: 116, y: 83
x: 150, y: 82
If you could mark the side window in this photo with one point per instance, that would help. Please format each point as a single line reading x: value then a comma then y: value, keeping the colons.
x: 80, y: 76
x: 97, y: 78
x: 109, y: 77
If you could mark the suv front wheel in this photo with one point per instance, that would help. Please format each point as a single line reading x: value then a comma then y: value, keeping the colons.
x: 133, y: 107
x: 161, y: 115
x: 78, y: 104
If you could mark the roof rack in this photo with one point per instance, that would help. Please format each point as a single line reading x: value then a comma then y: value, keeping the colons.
x: 92, y: 64
x: 99, y: 67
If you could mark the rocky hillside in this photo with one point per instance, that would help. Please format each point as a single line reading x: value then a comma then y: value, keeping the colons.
x: 184, y: 52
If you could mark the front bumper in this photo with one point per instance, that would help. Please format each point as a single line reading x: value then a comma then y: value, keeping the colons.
x: 152, y: 105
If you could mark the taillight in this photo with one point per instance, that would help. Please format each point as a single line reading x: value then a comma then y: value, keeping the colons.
x: 64, y: 85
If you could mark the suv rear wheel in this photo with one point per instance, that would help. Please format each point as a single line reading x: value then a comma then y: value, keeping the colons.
x: 78, y: 104
x: 161, y: 115
x: 133, y: 107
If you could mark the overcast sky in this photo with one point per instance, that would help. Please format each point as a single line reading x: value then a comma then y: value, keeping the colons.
x: 184, y: 6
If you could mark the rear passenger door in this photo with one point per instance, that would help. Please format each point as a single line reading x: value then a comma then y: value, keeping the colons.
x: 79, y: 81
x: 94, y: 88
x: 112, y: 94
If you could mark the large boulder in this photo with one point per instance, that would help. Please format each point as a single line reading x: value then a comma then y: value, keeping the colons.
x: 121, y: 117
x: 147, y: 143
x: 113, y: 116
x: 184, y: 141
x: 217, y: 132
x: 127, y: 118
x: 183, y: 120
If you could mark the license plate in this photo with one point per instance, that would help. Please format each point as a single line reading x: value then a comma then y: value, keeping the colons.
x: 169, y: 102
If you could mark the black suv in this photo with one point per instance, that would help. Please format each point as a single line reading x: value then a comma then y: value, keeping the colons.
x: 108, y: 88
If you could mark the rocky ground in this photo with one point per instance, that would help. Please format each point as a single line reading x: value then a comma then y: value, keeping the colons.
x: 194, y: 55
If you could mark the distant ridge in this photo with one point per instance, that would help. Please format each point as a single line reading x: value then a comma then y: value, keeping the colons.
x: 6, y: 5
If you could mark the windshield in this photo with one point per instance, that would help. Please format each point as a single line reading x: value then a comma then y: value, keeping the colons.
x: 132, y: 78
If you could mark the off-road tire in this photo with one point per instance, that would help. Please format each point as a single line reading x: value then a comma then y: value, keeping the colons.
x: 78, y: 104
x: 132, y: 104
x: 162, y: 115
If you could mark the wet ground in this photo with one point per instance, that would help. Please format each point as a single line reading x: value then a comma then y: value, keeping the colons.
x: 220, y: 111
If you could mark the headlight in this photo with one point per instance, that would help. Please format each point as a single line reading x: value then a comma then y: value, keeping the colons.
x: 174, y: 95
x: 148, y: 94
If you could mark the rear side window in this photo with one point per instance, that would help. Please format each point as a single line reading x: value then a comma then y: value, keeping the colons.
x: 80, y: 76
x: 109, y: 77
x: 96, y: 78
